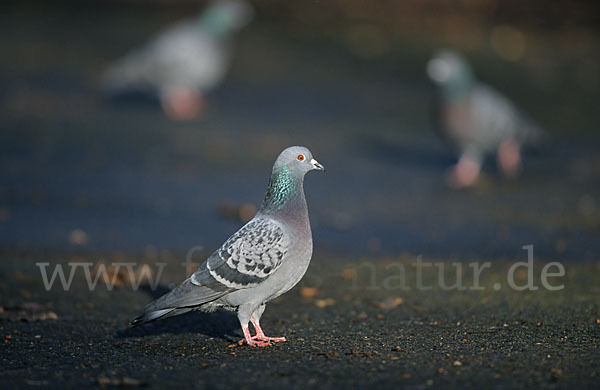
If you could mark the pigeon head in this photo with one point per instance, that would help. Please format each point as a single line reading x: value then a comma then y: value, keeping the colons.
x: 285, y: 190
x: 223, y: 16
x: 451, y: 71
x: 298, y: 160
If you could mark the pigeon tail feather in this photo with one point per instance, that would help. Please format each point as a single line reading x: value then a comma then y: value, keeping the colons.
x: 181, y: 299
x: 150, y: 316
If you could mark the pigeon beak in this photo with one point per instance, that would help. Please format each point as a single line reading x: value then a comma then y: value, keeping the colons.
x: 317, y: 165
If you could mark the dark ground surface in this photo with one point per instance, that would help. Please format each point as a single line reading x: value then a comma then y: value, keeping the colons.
x: 133, y: 180
x: 352, y: 333
x: 99, y: 181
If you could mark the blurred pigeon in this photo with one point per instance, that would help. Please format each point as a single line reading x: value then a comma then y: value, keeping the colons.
x: 184, y: 61
x: 261, y: 261
x: 477, y: 120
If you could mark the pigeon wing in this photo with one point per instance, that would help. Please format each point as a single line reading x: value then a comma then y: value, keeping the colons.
x: 248, y: 257
x: 245, y: 260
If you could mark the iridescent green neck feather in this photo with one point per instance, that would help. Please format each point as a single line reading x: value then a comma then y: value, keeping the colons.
x: 461, y: 84
x: 216, y: 21
x: 285, y: 189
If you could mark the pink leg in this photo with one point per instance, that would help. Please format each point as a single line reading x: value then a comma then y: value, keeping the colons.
x: 252, y: 341
x: 464, y: 173
x: 509, y: 158
x: 182, y: 104
x: 261, y: 336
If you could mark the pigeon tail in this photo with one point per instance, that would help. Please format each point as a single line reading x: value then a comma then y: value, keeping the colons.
x: 157, y: 315
x: 123, y: 76
x: 533, y: 134
x: 150, y: 316
x: 183, y: 298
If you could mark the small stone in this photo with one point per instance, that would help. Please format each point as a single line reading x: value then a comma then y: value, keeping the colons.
x: 331, y: 355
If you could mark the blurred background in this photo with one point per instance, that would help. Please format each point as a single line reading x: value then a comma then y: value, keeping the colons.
x: 80, y: 170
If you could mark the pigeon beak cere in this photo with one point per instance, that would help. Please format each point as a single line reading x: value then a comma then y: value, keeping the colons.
x: 317, y: 165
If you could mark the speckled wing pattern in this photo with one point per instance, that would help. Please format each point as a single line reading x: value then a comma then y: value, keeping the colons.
x: 249, y: 256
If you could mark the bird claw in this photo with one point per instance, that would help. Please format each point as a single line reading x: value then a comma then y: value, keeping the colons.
x: 273, y: 339
x: 261, y: 341
x: 254, y: 342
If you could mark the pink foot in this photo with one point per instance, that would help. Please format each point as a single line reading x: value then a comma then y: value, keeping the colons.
x: 270, y: 339
x: 464, y: 173
x: 182, y: 104
x: 260, y: 340
x: 252, y: 341
x: 261, y: 336
x: 509, y: 158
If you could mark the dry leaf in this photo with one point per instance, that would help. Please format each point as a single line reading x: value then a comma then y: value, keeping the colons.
x: 308, y: 292
x: 321, y: 303
x: 390, y: 303
x: 349, y: 273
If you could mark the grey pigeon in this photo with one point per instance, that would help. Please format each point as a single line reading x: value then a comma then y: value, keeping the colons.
x: 264, y: 259
x: 477, y: 120
x: 184, y: 61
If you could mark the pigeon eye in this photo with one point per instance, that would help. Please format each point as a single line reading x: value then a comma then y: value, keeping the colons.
x: 300, y: 157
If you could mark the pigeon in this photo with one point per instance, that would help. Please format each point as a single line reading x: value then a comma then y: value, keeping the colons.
x: 184, y: 61
x: 264, y: 259
x: 477, y: 120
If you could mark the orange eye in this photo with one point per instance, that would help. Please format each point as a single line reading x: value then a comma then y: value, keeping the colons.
x: 300, y: 157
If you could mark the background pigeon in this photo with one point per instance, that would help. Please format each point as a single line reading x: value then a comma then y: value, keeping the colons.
x: 477, y: 120
x: 261, y: 261
x: 184, y: 61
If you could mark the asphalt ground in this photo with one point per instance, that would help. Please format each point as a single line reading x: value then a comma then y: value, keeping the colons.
x: 347, y: 324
